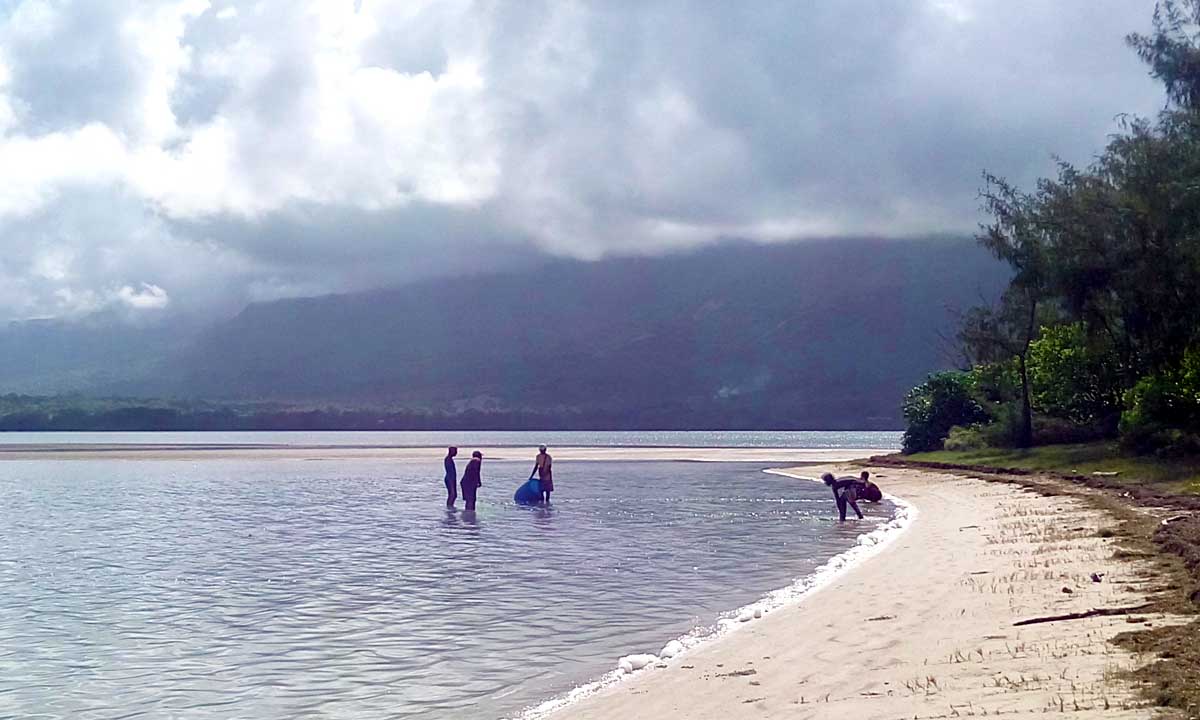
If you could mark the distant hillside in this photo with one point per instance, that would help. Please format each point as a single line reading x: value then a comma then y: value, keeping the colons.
x: 96, y: 354
x: 812, y: 335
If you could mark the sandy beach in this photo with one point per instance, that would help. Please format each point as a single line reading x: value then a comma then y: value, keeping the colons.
x: 927, y: 628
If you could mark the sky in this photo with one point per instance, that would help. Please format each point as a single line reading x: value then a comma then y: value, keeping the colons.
x: 194, y: 155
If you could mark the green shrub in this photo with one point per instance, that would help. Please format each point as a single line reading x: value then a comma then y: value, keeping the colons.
x: 1074, y: 377
x: 944, y: 400
x: 1162, y: 411
x: 965, y: 438
x: 1058, y: 431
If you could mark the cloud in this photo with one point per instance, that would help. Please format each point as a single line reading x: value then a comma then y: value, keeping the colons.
x: 146, y: 297
x: 224, y: 151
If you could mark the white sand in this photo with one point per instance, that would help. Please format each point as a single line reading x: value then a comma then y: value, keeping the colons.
x: 925, y: 628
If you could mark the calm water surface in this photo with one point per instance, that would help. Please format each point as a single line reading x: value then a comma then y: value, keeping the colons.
x: 816, y: 439
x: 280, y: 589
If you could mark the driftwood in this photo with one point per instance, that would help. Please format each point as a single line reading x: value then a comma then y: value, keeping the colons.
x: 1097, y: 612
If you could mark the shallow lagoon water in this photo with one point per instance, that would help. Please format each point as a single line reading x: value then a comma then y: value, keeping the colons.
x: 276, y: 589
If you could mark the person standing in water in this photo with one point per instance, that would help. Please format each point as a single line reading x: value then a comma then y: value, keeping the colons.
x: 471, y: 481
x: 451, y: 477
x: 843, y: 494
x: 542, y: 466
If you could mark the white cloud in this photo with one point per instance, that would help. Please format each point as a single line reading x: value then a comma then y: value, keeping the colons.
x: 315, y: 145
x: 145, y: 297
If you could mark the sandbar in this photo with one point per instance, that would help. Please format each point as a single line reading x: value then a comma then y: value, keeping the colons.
x: 156, y: 451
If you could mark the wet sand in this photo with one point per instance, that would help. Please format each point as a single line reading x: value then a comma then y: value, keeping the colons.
x: 925, y: 629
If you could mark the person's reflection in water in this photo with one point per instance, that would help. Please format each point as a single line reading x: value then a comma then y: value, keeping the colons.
x: 461, y: 524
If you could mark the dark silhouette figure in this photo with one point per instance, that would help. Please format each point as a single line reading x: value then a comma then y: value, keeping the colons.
x: 868, y: 490
x: 451, y: 477
x: 471, y: 480
x: 843, y: 494
x: 542, y: 466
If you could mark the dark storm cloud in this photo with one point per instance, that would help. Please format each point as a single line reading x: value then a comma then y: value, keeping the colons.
x: 302, y: 147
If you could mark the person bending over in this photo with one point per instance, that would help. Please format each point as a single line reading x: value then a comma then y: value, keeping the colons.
x: 471, y: 480
x: 843, y: 494
x: 868, y: 490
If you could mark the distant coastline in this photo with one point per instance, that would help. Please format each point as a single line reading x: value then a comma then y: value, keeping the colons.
x: 73, y: 413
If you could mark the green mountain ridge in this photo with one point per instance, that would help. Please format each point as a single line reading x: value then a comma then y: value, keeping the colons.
x: 819, y: 334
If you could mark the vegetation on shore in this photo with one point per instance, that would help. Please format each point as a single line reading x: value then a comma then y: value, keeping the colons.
x: 1084, y: 379
x: 1097, y: 337
x: 1095, y: 459
x: 80, y: 413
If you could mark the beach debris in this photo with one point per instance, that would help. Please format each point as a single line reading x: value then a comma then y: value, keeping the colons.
x: 747, y: 615
x: 739, y: 673
x: 670, y: 650
x: 881, y: 617
x: 1106, y: 473
x: 1097, y: 577
x: 1097, y: 612
x: 1067, y: 590
x: 758, y: 613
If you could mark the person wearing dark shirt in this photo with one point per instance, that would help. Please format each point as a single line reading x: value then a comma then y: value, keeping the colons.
x: 451, y: 477
x: 868, y: 490
x: 471, y: 481
x: 843, y: 494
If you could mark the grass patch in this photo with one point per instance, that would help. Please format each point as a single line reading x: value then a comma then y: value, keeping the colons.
x: 1173, y: 475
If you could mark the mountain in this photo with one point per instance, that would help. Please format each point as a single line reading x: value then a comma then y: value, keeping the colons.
x: 827, y: 334
x: 99, y: 353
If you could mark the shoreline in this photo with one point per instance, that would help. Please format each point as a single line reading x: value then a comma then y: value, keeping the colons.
x: 866, y: 546
x: 926, y: 629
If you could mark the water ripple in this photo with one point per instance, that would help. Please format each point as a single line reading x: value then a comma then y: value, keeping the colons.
x: 275, y: 589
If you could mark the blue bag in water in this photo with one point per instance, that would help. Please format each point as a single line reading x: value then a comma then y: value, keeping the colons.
x: 530, y: 493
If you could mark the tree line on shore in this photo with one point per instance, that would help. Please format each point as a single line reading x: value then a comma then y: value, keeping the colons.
x: 1098, y: 333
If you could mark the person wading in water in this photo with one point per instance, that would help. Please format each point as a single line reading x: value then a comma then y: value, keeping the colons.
x: 471, y: 480
x: 542, y: 465
x: 843, y: 494
x: 451, y: 477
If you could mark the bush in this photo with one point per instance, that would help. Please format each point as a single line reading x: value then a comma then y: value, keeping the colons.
x: 1075, y: 378
x: 1057, y: 431
x: 965, y: 438
x: 944, y: 400
x: 1162, y: 411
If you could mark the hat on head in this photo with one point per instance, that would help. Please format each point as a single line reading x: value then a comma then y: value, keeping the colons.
x: 542, y: 448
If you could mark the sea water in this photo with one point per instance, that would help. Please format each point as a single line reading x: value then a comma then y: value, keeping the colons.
x: 807, y: 439
x: 345, y: 589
